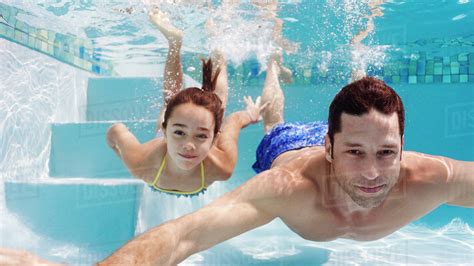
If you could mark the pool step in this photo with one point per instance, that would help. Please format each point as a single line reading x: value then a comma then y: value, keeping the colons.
x: 85, y: 213
x: 125, y: 98
x: 80, y: 149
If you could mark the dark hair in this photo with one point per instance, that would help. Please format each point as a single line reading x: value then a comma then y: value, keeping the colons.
x: 204, y: 97
x: 359, y: 97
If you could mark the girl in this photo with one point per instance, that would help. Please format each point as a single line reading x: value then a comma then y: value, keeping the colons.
x: 195, y: 150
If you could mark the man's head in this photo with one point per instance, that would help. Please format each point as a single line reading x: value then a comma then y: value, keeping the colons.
x: 365, y: 138
x: 359, y: 98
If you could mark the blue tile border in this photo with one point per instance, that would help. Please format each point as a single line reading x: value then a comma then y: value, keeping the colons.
x: 65, y: 48
x: 456, y: 68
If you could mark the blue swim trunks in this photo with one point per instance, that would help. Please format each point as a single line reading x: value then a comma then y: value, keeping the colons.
x: 286, y: 137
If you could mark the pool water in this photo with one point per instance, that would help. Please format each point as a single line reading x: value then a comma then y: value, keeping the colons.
x: 65, y: 196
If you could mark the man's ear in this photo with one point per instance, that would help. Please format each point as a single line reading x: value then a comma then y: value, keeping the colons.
x: 328, y: 148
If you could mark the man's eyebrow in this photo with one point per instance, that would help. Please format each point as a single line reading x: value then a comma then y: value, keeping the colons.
x: 390, y: 146
x: 351, y: 144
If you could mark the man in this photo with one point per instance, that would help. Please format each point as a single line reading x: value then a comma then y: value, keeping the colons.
x: 355, y: 181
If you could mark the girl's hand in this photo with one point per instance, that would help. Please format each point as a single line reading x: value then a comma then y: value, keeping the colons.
x: 254, y: 110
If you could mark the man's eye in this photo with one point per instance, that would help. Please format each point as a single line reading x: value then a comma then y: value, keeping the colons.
x: 357, y: 153
x: 386, y: 153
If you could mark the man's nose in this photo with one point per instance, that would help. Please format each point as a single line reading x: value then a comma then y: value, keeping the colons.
x: 371, y: 170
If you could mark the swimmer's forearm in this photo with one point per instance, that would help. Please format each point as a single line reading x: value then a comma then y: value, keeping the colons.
x: 229, y: 136
x: 240, y: 119
x: 158, y: 246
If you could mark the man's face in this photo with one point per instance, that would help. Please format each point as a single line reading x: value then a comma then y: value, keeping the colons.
x: 366, y: 159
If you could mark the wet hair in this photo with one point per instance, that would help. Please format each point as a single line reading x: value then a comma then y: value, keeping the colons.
x: 204, y: 97
x: 359, y: 97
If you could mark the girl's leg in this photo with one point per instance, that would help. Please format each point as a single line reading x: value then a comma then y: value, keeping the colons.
x: 218, y: 62
x: 222, y: 83
x: 173, y: 75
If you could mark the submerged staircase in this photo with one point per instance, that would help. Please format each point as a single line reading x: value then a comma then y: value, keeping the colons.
x: 90, y: 200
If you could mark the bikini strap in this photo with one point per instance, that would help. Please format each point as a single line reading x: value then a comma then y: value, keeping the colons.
x: 203, y: 177
x: 160, y: 170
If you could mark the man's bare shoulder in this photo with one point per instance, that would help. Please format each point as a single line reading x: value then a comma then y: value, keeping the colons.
x: 285, y: 180
x: 276, y: 191
x: 424, y: 168
x: 300, y: 169
x: 291, y: 184
x: 425, y: 180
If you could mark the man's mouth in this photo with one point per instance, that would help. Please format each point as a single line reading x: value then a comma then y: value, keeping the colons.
x: 371, y: 189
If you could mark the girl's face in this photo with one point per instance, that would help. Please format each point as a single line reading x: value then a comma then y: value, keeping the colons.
x: 189, y: 135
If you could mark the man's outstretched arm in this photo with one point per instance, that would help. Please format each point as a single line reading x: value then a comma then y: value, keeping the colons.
x: 249, y: 206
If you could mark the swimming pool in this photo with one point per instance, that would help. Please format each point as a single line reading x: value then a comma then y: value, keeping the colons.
x: 67, y: 198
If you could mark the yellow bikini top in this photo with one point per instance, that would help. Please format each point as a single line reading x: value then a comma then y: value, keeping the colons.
x: 202, y: 188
